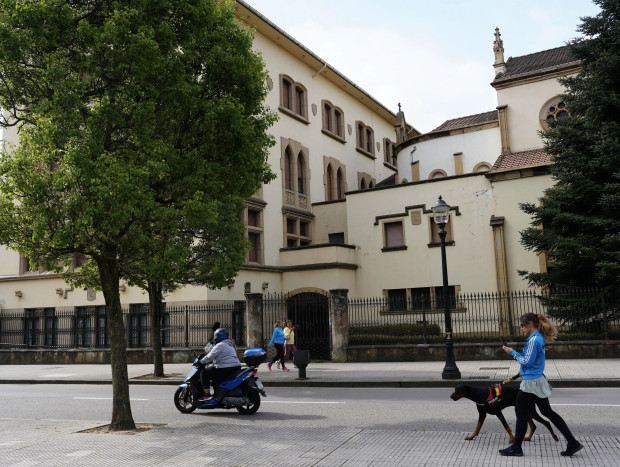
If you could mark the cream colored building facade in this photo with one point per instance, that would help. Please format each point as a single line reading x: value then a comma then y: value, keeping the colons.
x: 350, y: 208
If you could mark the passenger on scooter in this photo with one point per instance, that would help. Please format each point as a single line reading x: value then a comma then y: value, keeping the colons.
x: 223, y: 361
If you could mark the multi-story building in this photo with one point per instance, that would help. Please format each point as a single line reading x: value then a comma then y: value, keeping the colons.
x: 350, y: 207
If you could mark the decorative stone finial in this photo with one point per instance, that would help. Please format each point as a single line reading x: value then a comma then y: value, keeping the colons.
x: 498, y: 50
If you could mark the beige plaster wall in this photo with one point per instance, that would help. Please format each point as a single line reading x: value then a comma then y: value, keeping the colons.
x: 309, y: 135
x: 524, y: 105
x: 471, y: 262
x: 324, y: 279
x: 476, y: 146
x: 508, y: 194
x: 330, y: 218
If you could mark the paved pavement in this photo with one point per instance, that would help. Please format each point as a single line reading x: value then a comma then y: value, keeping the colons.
x: 561, y: 373
x: 218, y: 441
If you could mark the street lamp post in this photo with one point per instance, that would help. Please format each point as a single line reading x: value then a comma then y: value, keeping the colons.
x: 441, y: 212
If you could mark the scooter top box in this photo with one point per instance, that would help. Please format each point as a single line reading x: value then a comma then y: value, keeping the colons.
x: 254, y: 357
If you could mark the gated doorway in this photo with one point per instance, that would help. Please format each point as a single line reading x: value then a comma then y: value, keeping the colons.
x: 309, y: 312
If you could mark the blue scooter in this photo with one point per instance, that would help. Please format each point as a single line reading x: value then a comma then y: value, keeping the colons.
x: 241, y: 390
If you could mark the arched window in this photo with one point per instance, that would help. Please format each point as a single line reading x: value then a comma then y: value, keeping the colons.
x: 340, y: 184
x: 482, y: 167
x: 329, y: 183
x: 362, y: 184
x: 288, y: 170
x: 554, y: 109
x: 437, y: 174
x: 300, y: 173
x: 365, y: 139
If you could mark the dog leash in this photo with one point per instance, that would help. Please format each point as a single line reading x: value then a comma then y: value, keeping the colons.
x: 512, y: 378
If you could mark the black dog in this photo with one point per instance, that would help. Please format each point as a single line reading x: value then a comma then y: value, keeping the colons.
x: 480, y: 395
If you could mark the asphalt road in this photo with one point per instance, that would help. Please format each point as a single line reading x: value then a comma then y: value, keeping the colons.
x: 588, y: 411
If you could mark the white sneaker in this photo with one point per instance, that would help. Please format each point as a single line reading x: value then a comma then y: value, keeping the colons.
x: 278, y: 366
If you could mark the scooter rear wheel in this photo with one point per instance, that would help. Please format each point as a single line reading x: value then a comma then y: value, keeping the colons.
x: 184, y: 400
x: 253, y: 406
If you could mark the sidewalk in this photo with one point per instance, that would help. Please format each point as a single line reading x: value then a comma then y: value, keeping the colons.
x: 561, y: 373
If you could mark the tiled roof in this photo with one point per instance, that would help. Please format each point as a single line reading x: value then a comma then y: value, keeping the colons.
x: 391, y: 180
x: 547, y: 60
x: 517, y: 160
x: 470, y: 120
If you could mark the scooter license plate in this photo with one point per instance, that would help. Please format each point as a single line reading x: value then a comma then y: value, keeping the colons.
x: 259, y: 385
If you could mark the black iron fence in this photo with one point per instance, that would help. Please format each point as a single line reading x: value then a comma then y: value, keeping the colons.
x: 87, y: 327
x: 410, y: 318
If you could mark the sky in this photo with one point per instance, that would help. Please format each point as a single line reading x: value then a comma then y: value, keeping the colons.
x: 434, y: 57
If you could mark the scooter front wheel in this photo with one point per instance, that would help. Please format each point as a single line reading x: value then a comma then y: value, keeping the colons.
x: 184, y: 400
x: 252, y: 406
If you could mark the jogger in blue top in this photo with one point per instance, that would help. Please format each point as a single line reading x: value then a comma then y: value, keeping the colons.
x: 278, y: 341
x: 535, y: 390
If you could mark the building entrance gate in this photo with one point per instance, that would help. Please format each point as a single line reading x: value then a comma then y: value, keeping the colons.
x: 309, y: 312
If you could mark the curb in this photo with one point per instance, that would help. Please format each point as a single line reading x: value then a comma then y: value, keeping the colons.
x: 589, y: 383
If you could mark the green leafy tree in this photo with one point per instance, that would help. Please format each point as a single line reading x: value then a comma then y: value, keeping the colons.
x: 577, y: 222
x: 131, y: 116
x: 205, y: 250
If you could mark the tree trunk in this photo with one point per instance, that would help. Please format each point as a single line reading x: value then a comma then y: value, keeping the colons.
x: 122, y: 418
x: 156, y: 303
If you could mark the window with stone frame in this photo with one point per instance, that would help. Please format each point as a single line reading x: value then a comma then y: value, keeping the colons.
x: 388, y: 152
x: 365, y: 139
x: 434, y: 239
x: 554, y: 109
x: 393, y: 236
x: 255, y: 231
x: 295, y: 175
x: 333, y: 121
x: 335, y: 179
x: 297, y: 229
x: 438, y: 173
x: 293, y: 99
x: 418, y: 299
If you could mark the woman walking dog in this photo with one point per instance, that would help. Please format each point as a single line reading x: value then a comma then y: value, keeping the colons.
x: 534, y: 389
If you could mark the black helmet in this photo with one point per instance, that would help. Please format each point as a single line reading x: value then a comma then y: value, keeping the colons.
x: 220, y: 335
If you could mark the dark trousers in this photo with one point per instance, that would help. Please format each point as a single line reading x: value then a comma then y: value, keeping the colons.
x: 524, y: 408
x: 210, y: 373
x: 279, y: 354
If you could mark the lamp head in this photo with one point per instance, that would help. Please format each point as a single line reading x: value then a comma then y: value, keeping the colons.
x: 441, y: 211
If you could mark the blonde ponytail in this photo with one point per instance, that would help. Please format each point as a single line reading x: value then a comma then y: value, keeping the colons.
x: 546, y: 328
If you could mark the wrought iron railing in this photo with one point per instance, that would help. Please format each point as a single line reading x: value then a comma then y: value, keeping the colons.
x: 579, y: 314
x: 87, y: 327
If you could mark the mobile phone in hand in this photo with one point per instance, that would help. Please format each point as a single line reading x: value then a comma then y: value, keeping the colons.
x: 504, y: 342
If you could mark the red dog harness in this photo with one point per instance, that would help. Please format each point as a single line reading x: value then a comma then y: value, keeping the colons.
x: 495, y: 391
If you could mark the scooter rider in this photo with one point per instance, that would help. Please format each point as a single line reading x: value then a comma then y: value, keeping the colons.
x: 223, y: 361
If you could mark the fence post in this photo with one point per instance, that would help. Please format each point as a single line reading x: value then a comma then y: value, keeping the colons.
x: 339, y: 313
x: 186, y: 327
x: 605, y: 324
x: 254, y: 320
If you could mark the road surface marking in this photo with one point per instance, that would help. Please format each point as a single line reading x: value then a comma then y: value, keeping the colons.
x: 103, y: 399
x: 301, y: 402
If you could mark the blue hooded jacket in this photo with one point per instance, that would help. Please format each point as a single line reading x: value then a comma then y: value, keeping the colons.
x: 532, y: 359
